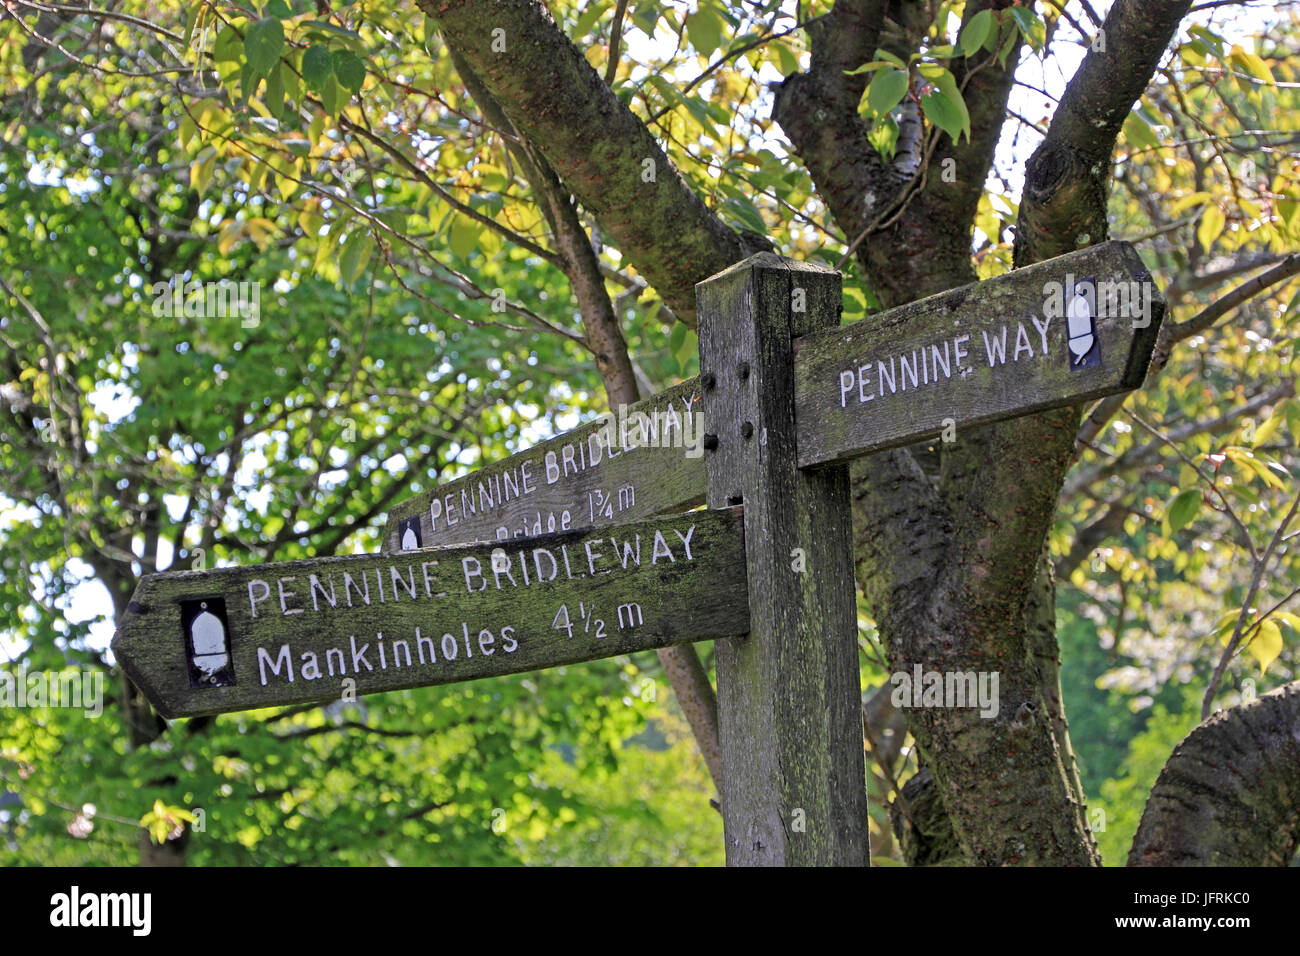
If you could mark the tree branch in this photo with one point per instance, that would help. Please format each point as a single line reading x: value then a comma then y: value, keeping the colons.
x: 597, y: 146
x: 1139, y: 456
x: 581, y: 265
x: 1230, y: 794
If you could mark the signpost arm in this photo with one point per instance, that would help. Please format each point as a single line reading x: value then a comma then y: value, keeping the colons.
x: 789, y: 697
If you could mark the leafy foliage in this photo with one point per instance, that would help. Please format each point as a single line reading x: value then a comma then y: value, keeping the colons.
x: 412, y: 322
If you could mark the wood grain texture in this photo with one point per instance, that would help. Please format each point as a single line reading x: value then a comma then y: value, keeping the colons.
x: 789, y: 698
x: 570, y: 482
x: 445, y: 614
x: 972, y: 355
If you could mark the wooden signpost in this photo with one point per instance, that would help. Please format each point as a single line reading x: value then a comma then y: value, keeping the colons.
x: 207, y: 642
x: 996, y: 349
x: 992, y: 350
x: 554, y: 564
x: 647, y: 461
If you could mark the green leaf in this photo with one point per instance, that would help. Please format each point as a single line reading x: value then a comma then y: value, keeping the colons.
x: 1138, y: 132
x: 1289, y: 619
x: 975, y: 32
x: 1007, y: 46
x: 588, y: 19
x: 325, y: 25
x: 786, y: 59
x: 226, y: 48
x: 1033, y: 29
x: 350, y: 70
x: 687, y: 350
x: 201, y: 169
x: 869, y: 67
x: 1250, y: 463
x: 263, y: 43
x: 645, y: 15
x: 1266, y: 645
x: 1212, y: 40
x: 1293, y: 418
x: 941, y: 111
x: 278, y: 8
x: 946, y: 84
x: 317, y: 67
x: 1211, y: 225
x: 333, y: 97
x: 1254, y: 64
x: 1266, y: 430
x: 704, y: 27
x: 887, y: 89
x: 355, y: 255
x: 1183, y: 509
x: 1224, y: 626
x: 464, y: 238
x: 675, y: 340
x: 275, y: 93
x: 292, y: 85
x: 191, y: 21
x: 744, y: 212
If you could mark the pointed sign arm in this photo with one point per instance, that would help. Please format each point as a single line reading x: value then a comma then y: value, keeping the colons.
x: 207, y: 642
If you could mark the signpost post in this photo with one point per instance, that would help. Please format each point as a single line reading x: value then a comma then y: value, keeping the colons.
x: 789, y: 695
x: 555, y: 563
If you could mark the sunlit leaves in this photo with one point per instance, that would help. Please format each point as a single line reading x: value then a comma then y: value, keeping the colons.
x: 975, y: 32
x: 201, y: 169
x: 1031, y: 26
x: 349, y: 69
x: 317, y: 67
x: 165, y: 823
x: 1211, y: 225
x: 464, y: 236
x: 945, y: 106
x: 263, y: 43
x: 1253, y: 64
x: 886, y: 90
x: 704, y: 27
x: 355, y: 255
x: 1138, y: 132
x: 1183, y: 509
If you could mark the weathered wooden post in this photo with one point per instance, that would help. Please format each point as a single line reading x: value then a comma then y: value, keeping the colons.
x: 789, y: 696
x: 782, y: 387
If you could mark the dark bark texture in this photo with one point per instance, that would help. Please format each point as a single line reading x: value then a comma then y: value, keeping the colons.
x: 1230, y: 794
